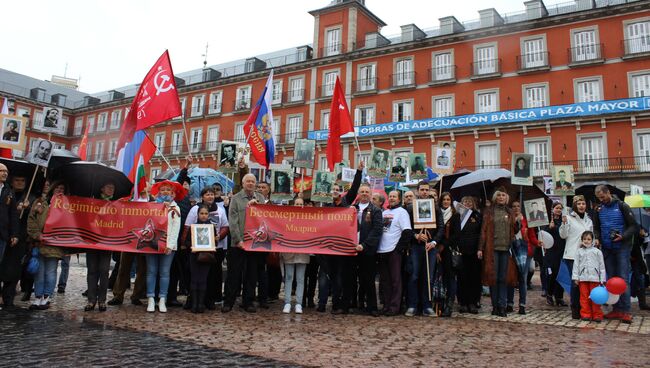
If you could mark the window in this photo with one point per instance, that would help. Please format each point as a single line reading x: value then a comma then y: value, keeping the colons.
x: 587, y: 90
x: 442, y: 66
x: 332, y: 42
x: 363, y: 156
x: 402, y: 111
x: 197, y: 105
x: 540, y: 148
x: 443, y: 106
x: 364, y: 115
x: 486, y: 101
x: 329, y: 81
x: 89, y: 149
x: 243, y: 98
x: 111, y: 149
x: 294, y: 126
x: 177, y: 142
x: 239, y: 133
x: 91, y: 123
x: 101, y: 121
x: 196, y: 135
x: 485, y: 58
x: 403, y: 73
x: 638, y: 37
x: 276, y: 95
x: 296, y: 89
x: 78, y: 126
x: 182, y: 99
x: 533, y: 53
x: 155, y: 171
x: 592, y: 156
x: 216, y: 99
x: 322, y: 163
x: 367, y: 78
x: 99, y: 151
x: 75, y: 149
x: 639, y: 84
x: 325, y: 119
x: 643, y: 150
x: 159, y: 141
x: 488, y: 155
x: 585, y: 45
x: 276, y: 129
x: 116, y: 116
x: 59, y: 145
x: 213, y: 138
x: 535, y: 95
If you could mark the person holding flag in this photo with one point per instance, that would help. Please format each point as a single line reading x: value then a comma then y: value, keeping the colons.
x: 261, y: 138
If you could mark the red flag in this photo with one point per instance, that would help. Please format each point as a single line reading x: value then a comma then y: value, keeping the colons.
x: 83, y: 149
x: 6, y: 153
x: 340, y: 124
x: 155, y: 102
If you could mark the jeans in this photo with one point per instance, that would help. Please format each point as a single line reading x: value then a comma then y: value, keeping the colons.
x: 289, y: 270
x: 65, y: 270
x: 617, y: 263
x: 158, y: 265
x: 523, y: 287
x: 45, y: 279
x: 417, y: 271
x: 3, y: 245
x: 498, y: 292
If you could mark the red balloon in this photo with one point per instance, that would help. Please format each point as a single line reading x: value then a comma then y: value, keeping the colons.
x: 616, y: 285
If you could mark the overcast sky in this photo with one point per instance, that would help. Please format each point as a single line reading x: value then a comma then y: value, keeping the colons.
x: 110, y: 44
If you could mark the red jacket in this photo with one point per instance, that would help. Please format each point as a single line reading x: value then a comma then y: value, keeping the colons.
x: 529, y: 237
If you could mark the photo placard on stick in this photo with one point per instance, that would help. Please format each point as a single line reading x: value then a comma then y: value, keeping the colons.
x: 282, y: 183
x: 338, y: 171
x: 203, y: 239
x: 563, y: 180
x: 347, y: 176
x: 536, y: 212
x: 322, y: 187
x: 417, y: 166
x: 12, y: 132
x: 227, y: 157
x: 53, y: 121
x: 303, y: 154
x: 378, y: 165
x: 424, y: 214
x: 522, y: 173
x: 42, y: 153
x: 399, y: 168
x: 444, y: 162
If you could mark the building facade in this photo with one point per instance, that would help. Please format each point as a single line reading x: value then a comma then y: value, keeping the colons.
x: 569, y: 83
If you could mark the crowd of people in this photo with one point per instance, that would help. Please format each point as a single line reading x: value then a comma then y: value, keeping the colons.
x: 478, y: 246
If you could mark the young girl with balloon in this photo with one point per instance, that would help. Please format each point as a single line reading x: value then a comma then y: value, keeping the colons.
x: 589, y: 272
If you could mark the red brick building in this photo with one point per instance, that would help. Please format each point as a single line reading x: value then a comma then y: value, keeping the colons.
x: 554, y: 70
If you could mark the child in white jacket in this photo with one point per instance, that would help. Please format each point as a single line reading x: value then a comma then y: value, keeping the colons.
x: 589, y: 272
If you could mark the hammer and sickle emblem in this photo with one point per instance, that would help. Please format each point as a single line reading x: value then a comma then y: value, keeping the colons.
x: 161, y: 88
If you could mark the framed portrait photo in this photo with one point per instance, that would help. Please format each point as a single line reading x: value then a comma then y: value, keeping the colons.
x: 53, y: 121
x: 563, y: 184
x: 41, y: 153
x: 338, y: 171
x: 398, y: 168
x: 203, y: 238
x: 321, y: 190
x: 282, y: 183
x: 12, y: 132
x: 522, y: 172
x: 417, y: 166
x: 303, y: 153
x: 227, y: 157
x: 536, y: 212
x: 424, y: 214
x: 378, y: 164
x: 444, y: 162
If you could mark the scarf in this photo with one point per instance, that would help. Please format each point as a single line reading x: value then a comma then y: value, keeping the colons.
x: 446, y: 214
x: 468, y: 213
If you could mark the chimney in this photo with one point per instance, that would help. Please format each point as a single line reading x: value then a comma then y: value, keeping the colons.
x: 254, y: 65
x: 375, y: 39
x: 490, y: 18
x: 58, y: 99
x: 304, y: 53
x: 209, y: 75
x: 37, y: 94
x: 91, y: 101
x: 411, y: 32
x: 114, y: 95
x: 449, y: 25
x: 535, y: 9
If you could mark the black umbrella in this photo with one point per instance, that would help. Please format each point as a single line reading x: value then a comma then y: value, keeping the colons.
x: 167, y: 175
x: 449, y: 180
x: 85, y: 179
x: 25, y: 170
x: 587, y: 190
x: 61, y: 157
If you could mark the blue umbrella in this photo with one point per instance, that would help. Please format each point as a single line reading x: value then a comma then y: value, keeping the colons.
x: 202, y: 177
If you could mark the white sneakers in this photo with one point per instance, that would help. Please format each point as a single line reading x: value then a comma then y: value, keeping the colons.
x: 298, y: 309
x: 287, y: 308
x: 162, y: 306
x: 151, y: 305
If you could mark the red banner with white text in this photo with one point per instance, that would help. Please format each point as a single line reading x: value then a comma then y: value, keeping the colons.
x: 292, y: 229
x: 121, y: 226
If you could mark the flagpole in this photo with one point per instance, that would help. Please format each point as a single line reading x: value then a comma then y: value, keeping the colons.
x: 29, y: 191
x: 187, y: 139
x: 161, y: 154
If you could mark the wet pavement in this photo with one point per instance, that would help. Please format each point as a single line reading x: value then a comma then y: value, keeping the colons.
x: 546, y: 336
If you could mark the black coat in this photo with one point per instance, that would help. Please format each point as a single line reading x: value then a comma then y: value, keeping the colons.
x: 469, y: 237
x: 11, y: 266
x: 370, y: 229
x: 9, y: 227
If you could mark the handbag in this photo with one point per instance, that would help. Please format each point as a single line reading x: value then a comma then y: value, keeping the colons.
x: 34, y: 264
x: 206, y: 257
x: 456, y: 259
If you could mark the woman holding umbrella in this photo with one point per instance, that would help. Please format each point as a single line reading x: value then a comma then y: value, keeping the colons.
x: 158, y: 265
x: 497, y: 233
x: 553, y: 258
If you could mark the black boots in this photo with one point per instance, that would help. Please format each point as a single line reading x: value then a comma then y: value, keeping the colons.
x: 189, y: 300
x: 201, y: 302
x: 575, y: 311
x: 643, y: 305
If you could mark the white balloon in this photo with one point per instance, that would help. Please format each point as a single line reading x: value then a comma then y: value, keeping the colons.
x: 547, y: 238
x: 613, y: 299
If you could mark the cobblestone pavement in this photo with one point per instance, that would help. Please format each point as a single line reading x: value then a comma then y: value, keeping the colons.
x: 546, y: 336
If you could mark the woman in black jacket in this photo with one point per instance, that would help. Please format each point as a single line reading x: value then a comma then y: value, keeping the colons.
x: 465, y: 233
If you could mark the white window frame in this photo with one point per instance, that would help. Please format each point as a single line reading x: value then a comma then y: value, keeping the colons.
x: 90, y: 120
x: 439, y: 114
x: 599, y: 166
x: 534, y: 59
x: 78, y: 126
x: 216, y: 102
x: 112, y: 145
x: 478, y: 93
x: 636, y: 44
x: 361, y: 119
x: 367, y: 81
x: 488, y: 65
x: 630, y: 78
x: 154, y: 172
x: 239, y: 135
x: 196, y: 139
x: 159, y: 141
x: 276, y: 93
x: 99, y: 150
x: 328, y: 86
x: 576, y: 89
x: 396, y: 110
x: 403, y: 71
x: 442, y: 72
x: 589, y: 51
x: 102, y: 121
x: 241, y: 102
x: 177, y: 147
x: 324, y: 119
x: 642, y: 158
x: 299, y: 94
x: 478, y: 145
x: 361, y: 156
x: 333, y: 47
x: 540, y: 167
x: 198, y: 105
x: 116, y: 119
x: 524, y: 95
x: 212, y: 143
x: 294, y: 127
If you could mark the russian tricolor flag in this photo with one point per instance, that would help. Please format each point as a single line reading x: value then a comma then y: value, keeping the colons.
x: 132, y: 157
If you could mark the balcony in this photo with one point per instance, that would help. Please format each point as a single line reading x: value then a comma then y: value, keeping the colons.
x: 325, y: 91
x: 636, y: 47
x: 486, y: 69
x: 242, y: 105
x: 533, y: 62
x: 197, y: 111
x: 296, y: 96
x: 331, y: 50
x: 365, y: 86
x: 214, y: 108
x: 404, y: 80
x: 442, y: 75
x: 586, y: 55
x: 195, y: 147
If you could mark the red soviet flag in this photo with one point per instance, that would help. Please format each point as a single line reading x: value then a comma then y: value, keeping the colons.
x: 155, y: 102
x: 340, y: 124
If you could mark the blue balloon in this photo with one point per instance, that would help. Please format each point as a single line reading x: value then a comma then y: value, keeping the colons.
x: 599, y: 295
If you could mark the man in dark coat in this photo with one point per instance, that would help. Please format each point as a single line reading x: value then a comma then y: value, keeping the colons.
x: 370, y: 229
x: 10, y: 251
